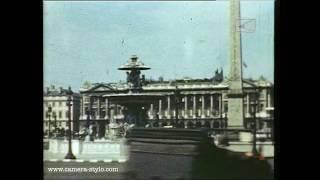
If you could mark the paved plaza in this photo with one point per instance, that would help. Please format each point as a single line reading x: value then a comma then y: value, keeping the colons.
x: 83, y: 175
x: 48, y: 156
x: 56, y: 160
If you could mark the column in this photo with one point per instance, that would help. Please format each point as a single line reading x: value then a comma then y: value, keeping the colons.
x: 83, y: 108
x: 160, y: 109
x: 90, y: 106
x: 248, y: 105
x: 194, y: 106
x: 151, y: 111
x: 265, y: 99
x: 211, y: 105
x: 269, y: 98
x: 220, y: 105
x: 107, y: 108
x: 98, y: 108
x: 169, y: 109
x: 121, y: 112
x: 186, y: 106
x: 116, y: 110
x: 203, y: 115
x: 112, y: 114
x: 235, y: 92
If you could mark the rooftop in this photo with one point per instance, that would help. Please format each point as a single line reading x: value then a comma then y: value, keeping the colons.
x: 53, y: 91
x: 171, y: 84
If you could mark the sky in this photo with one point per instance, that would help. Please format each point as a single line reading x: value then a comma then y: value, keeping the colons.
x: 88, y: 41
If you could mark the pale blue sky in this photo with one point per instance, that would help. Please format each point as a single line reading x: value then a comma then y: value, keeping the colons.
x: 89, y: 40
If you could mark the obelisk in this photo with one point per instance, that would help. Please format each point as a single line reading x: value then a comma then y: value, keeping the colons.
x: 235, y: 93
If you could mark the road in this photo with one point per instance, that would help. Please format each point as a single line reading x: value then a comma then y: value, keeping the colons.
x: 152, y: 168
x: 82, y: 175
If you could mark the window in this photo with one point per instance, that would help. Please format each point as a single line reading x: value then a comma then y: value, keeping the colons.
x: 225, y: 107
x: 67, y: 112
x: 103, y: 113
x: 261, y: 106
x: 60, y: 114
x: 60, y: 103
x: 53, y: 114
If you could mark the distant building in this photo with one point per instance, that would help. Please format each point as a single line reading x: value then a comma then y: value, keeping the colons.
x: 57, y: 100
x: 200, y: 102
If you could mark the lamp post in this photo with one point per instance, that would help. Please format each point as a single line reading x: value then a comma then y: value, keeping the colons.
x: 254, y: 146
x: 69, y: 154
x: 88, y: 112
x: 176, y: 98
x: 49, y: 116
x: 55, y: 120
x: 55, y: 124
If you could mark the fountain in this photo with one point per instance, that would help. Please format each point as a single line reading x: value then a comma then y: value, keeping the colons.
x: 135, y: 101
x: 135, y: 115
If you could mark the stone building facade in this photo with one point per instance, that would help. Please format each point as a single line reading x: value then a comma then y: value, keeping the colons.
x: 197, y: 102
x: 57, y: 100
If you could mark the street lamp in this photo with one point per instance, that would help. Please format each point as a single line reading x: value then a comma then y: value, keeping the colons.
x: 254, y: 146
x: 55, y: 120
x: 69, y: 154
x: 176, y: 98
x: 88, y: 112
x: 49, y: 116
x: 55, y: 123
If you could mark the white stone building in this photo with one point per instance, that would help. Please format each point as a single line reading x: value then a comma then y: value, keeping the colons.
x: 57, y: 100
x: 202, y: 102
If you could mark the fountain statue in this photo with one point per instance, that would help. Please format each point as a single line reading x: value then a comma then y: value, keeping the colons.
x: 135, y: 100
